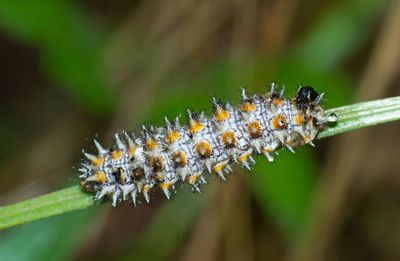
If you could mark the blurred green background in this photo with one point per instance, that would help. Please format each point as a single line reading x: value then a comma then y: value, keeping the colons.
x: 73, y: 70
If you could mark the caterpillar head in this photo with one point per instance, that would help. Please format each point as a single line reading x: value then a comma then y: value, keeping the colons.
x: 308, y: 100
x: 307, y: 97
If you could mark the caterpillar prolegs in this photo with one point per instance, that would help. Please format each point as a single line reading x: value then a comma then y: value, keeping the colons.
x: 162, y: 157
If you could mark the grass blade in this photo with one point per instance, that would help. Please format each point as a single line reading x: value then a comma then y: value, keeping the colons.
x: 351, y: 117
x: 51, y: 204
x: 362, y: 115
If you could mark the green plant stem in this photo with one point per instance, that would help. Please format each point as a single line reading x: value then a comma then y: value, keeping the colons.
x: 362, y: 115
x: 51, y: 204
x: 350, y: 117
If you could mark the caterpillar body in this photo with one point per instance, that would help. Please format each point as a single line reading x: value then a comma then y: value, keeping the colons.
x: 163, y: 156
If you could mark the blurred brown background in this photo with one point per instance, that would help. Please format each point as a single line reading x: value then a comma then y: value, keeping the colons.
x: 73, y: 70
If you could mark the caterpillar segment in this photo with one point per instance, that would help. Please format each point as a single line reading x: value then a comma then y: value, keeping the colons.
x: 163, y: 156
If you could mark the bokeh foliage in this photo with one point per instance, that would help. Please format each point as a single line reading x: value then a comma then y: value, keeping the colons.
x: 71, y: 43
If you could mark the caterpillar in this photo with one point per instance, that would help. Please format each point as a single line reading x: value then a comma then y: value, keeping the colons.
x: 161, y: 157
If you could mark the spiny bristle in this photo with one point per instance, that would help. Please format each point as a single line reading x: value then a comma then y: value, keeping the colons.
x: 100, y: 149
x: 119, y: 143
x: 163, y: 156
x: 89, y: 156
x: 244, y: 95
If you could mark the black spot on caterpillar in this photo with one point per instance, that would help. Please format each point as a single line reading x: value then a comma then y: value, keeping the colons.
x: 163, y: 156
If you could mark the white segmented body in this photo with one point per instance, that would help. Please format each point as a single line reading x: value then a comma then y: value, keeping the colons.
x: 164, y: 156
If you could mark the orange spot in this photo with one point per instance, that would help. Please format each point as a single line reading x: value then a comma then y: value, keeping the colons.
x: 116, y: 154
x: 146, y: 188
x: 172, y: 136
x: 221, y: 115
x: 248, y: 106
x: 165, y: 185
x: 100, y: 177
x: 132, y: 150
x: 228, y: 139
x: 244, y: 156
x: 98, y: 161
x: 220, y: 166
x: 277, y: 102
x: 279, y: 122
x: 203, y: 149
x: 193, y: 179
x: 156, y: 164
x: 151, y: 144
x: 179, y: 159
x: 254, y: 129
x: 195, y: 126
x: 299, y: 119
x: 267, y: 150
